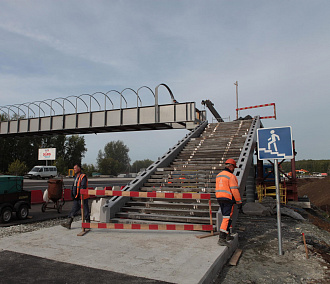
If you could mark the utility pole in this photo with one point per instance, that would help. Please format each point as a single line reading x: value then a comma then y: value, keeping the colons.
x: 236, y: 84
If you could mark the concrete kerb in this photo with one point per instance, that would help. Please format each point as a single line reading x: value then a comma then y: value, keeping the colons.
x: 177, y: 257
x: 217, y: 266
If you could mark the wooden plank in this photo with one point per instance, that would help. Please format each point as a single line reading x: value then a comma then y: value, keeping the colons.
x: 83, y: 232
x: 207, y: 235
x: 234, y: 259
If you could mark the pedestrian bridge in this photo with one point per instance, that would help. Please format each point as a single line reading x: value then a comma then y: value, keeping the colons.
x: 98, y: 112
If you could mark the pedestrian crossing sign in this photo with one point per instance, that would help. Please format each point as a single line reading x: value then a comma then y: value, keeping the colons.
x: 275, y: 143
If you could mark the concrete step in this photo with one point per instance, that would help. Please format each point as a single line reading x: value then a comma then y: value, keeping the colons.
x: 171, y: 205
x: 168, y: 211
x: 178, y: 187
x: 167, y: 218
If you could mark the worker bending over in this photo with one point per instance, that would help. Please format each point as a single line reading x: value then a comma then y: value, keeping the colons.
x: 227, y: 194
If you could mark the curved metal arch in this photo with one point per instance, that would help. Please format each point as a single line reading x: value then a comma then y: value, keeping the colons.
x: 7, y: 113
x: 137, y: 96
x: 90, y: 101
x: 8, y: 107
x: 44, y: 102
x: 29, y: 110
x: 54, y: 100
x: 18, y: 108
x: 77, y: 97
x: 169, y: 90
x: 121, y: 96
x: 105, y: 99
x: 146, y: 88
x: 33, y: 103
x: 61, y: 98
x: 51, y: 105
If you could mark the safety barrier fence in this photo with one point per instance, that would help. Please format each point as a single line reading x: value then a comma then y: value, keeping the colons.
x: 169, y: 195
x: 257, y: 106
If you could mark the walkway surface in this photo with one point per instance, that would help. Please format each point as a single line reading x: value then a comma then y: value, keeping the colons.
x: 119, y: 255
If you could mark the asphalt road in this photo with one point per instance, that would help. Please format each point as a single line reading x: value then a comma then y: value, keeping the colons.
x: 31, y: 184
x: 23, y: 268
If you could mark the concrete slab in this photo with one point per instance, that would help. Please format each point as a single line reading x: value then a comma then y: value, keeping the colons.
x: 172, y: 256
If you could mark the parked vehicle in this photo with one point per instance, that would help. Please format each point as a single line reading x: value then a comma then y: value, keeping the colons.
x: 13, y: 198
x: 40, y: 172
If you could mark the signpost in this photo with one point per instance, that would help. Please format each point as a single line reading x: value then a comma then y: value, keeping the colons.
x: 275, y: 143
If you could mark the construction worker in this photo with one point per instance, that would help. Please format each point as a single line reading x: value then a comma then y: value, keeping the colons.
x: 227, y: 194
x: 80, y: 182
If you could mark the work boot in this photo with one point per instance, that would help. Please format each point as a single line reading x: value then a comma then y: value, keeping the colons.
x: 229, y: 237
x: 67, y: 224
x: 222, y: 239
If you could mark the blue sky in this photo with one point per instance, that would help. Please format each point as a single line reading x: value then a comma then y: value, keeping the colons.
x: 278, y: 51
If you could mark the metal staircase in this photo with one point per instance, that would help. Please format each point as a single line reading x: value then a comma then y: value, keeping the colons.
x: 193, y: 170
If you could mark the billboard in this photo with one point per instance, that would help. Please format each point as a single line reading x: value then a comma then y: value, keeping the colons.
x: 47, y: 154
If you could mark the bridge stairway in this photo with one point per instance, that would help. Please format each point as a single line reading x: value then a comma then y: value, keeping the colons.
x: 193, y: 170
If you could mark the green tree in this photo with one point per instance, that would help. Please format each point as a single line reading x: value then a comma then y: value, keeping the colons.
x: 75, y: 148
x: 109, y: 166
x: 17, y: 168
x: 114, y: 159
x: 62, y: 166
x: 88, y: 169
x: 19, y: 148
x: 140, y: 164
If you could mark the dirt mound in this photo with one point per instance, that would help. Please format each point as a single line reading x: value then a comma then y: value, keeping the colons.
x: 318, y: 191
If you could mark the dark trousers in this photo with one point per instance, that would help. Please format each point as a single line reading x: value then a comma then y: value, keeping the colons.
x: 226, y: 207
x: 76, y: 206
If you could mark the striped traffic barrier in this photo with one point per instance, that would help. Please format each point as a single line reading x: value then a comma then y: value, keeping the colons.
x: 257, y: 106
x: 105, y: 192
x: 151, y: 194
x: 190, y: 227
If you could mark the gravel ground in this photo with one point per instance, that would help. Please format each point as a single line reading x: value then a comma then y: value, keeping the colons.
x: 260, y: 261
x: 12, y: 230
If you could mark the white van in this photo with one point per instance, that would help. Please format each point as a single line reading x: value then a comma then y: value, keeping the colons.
x: 42, y: 172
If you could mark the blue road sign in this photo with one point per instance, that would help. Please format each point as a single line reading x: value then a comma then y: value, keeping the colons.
x: 275, y: 143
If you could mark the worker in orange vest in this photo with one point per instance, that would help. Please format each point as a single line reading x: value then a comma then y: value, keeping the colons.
x: 227, y: 194
x: 80, y: 182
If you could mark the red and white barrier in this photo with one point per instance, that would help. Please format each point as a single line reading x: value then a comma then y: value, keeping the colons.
x: 257, y: 106
x: 105, y: 192
x: 192, y: 227
x: 151, y: 194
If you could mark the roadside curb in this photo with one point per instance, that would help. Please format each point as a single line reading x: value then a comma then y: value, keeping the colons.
x: 222, y: 259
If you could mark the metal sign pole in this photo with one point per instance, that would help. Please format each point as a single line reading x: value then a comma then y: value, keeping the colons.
x: 236, y: 84
x: 279, y: 232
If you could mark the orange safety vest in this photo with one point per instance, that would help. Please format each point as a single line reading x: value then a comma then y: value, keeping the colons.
x: 80, y: 177
x: 226, y: 186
